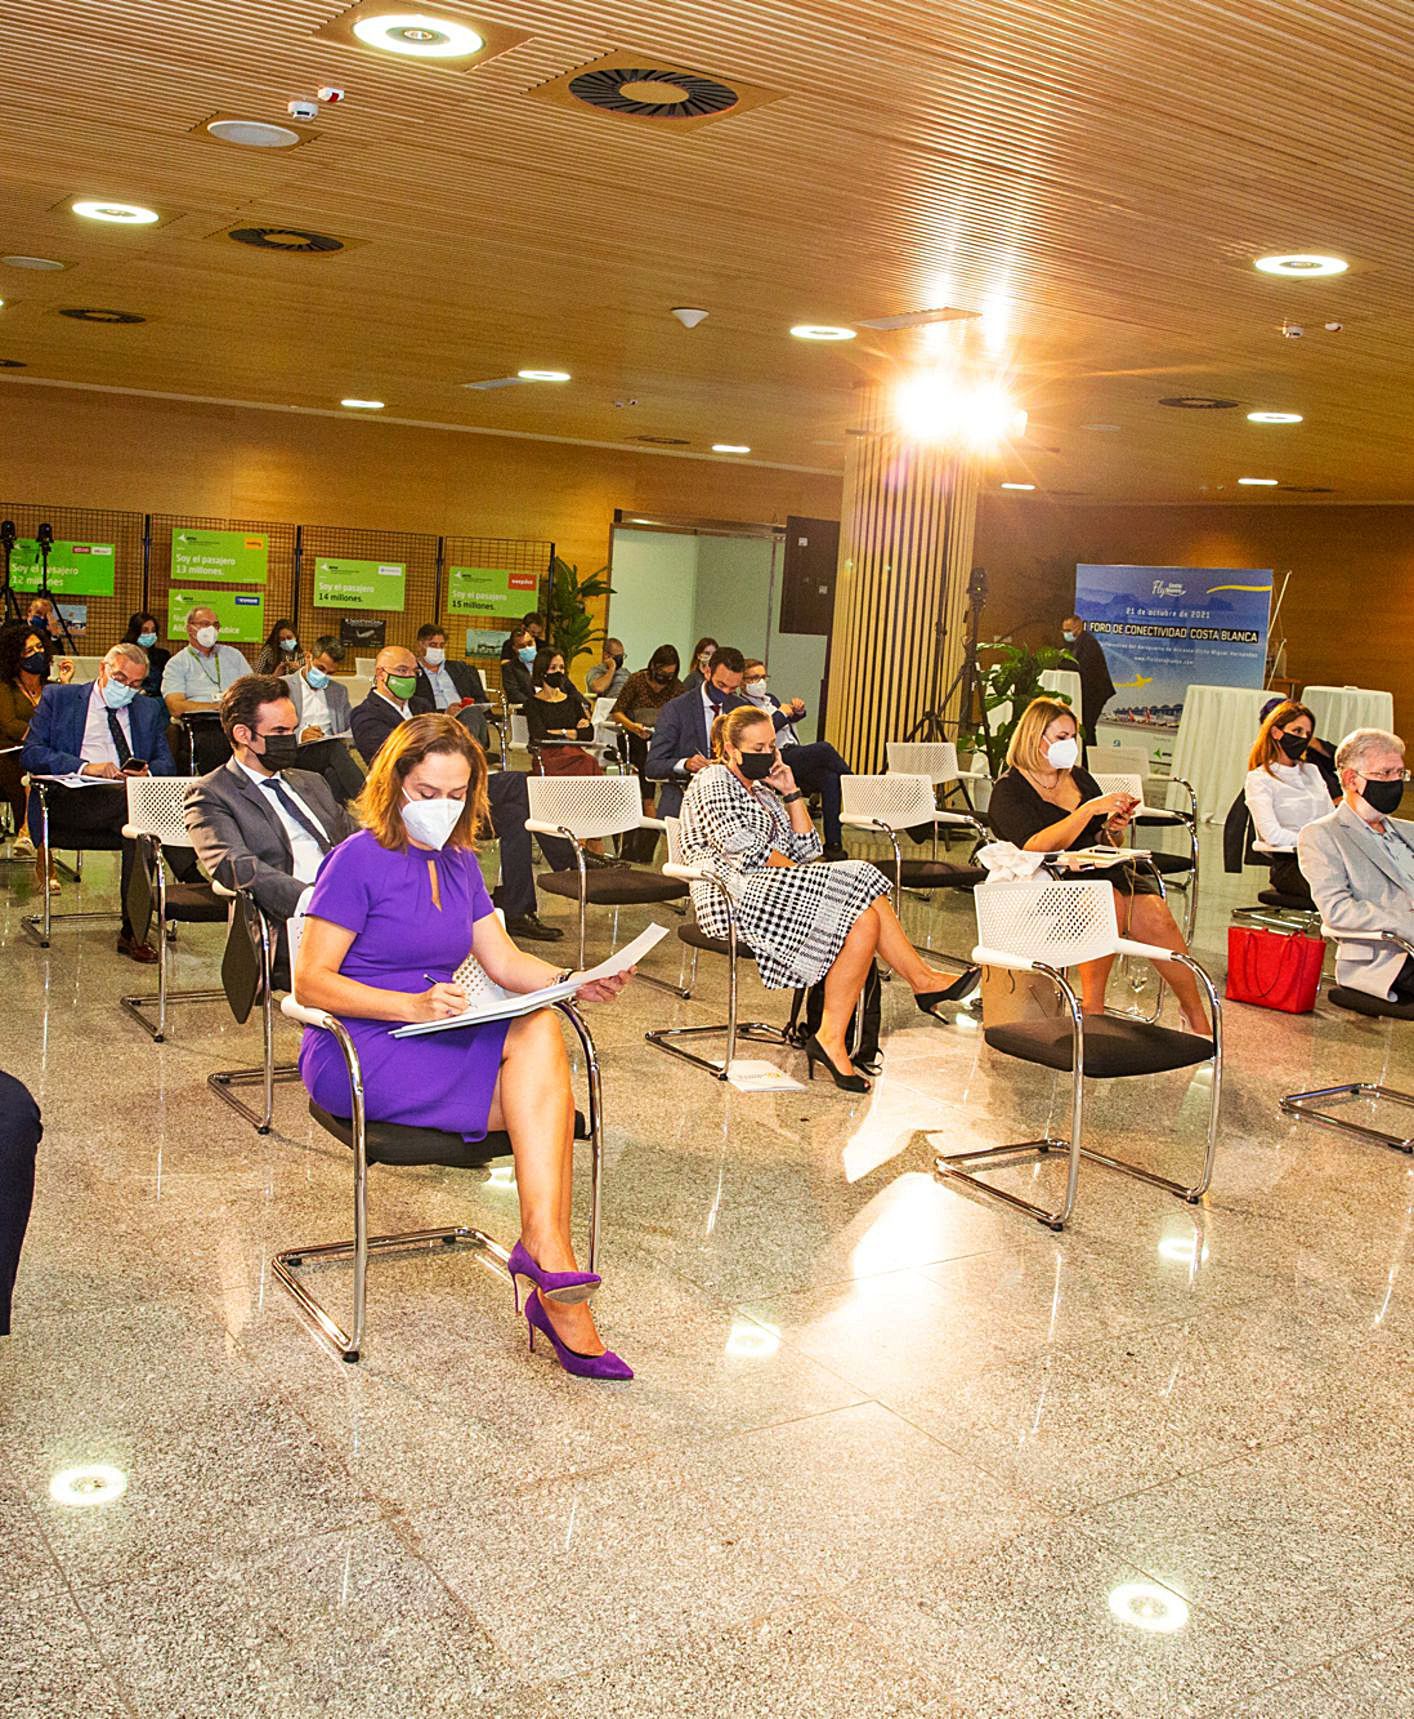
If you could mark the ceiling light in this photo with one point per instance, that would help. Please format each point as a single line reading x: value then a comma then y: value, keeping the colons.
x: 1301, y: 263
x: 821, y: 331
x: 543, y: 375
x: 1259, y: 483
x: 94, y: 1483
x: 1274, y: 417
x: 416, y: 34
x: 1018, y: 486
x: 1198, y: 402
x: 1104, y: 429
x: 730, y: 448
x: 120, y: 214
x: 253, y: 133
x: 37, y: 263
x: 363, y: 405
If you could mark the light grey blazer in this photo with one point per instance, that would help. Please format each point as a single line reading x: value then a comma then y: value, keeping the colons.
x: 338, y: 702
x: 1358, y: 888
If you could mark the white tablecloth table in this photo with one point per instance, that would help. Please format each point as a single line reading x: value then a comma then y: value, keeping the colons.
x: 1338, y: 709
x: 1066, y: 681
x: 1215, y: 734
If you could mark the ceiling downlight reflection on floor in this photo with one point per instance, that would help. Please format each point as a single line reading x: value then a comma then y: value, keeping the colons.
x: 88, y: 1485
x: 1147, y: 1606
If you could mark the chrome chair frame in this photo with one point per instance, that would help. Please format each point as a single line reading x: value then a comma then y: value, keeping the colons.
x: 150, y: 847
x: 270, y: 1073
x: 1161, y: 816
x: 1306, y: 1104
x: 945, y: 1164
x: 348, y: 1344
x: 39, y: 927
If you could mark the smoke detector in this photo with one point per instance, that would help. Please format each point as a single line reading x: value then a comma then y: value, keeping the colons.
x: 688, y: 315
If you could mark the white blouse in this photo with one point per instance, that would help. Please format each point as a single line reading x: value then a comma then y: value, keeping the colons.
x: 1283, y: 800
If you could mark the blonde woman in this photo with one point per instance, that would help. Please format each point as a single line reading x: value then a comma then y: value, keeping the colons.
x: 396, y: 909
x: 1284, y: 792
x: 1044, y: 802
x: 744, y: 818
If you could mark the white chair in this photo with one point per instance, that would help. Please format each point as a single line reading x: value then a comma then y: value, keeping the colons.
x: 894, y: 803
x: 935, y: 759
x: 698, y: 940
x: 85, y: 669
x: 156, y: 823
x: 395, y: 1143
x: 365, y: 666
x: 586, y: 808
x: 1307, y: 1105
x: 358, y: 687
x: 1046, y: 927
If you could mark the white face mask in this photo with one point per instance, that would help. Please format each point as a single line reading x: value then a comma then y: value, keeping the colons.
x: 431, y: 821
x: 206, y: 637
x: 1064, y: 754
x: 1069, y: 638
x: 755, y: 689
x: 436, y: 656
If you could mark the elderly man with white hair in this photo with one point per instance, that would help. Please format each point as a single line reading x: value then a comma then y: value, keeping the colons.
x: 1359, y: 861
x: 104, y: 730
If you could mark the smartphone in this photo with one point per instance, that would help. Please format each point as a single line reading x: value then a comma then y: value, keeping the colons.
x: 134, y: 766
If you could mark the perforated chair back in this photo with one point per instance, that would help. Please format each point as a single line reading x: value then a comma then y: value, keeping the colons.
x: 1058, y: 923
x: 520, y: 731
x: 1122, y: 761
x: 589, y: 805
x: 86, y: 669
x: 365, y: 665
x: 1120, y: 782
x: 358, y: 687
x: 155, y: 808
x: 602, y: 707
x: 896, y: 800
x: 675, y: 853
x: 935, y: 759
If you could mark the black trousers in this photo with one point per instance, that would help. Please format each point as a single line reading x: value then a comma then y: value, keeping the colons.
x: 817, y: 768
x: 20, y: 1133
x: 94, y: 818
x: 510, y: 807
x: 1288, y: 877
x: 332, y: 760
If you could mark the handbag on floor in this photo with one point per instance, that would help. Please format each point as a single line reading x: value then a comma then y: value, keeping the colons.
x: 811, y: 999
x: 1270, y: 970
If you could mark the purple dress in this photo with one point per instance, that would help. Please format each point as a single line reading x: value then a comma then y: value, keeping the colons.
x: 444, y: 1080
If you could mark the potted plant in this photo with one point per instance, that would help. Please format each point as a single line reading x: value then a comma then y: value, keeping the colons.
x: 1005, y: 686
x: 568, y: 623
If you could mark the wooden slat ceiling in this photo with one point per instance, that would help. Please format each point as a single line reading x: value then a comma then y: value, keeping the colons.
x: 1105, y: 170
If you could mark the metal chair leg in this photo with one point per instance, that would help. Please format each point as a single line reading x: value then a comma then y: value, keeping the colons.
x: 1306, y: 1105
x: 270, y: 1072
x: 39, y: 927
x: 135, y: 1005
x: 665, y: 1038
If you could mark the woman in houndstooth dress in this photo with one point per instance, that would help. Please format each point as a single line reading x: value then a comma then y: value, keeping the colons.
x: 745, y: 820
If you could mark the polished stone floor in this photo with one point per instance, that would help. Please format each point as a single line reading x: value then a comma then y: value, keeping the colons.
x: 891, y: 1449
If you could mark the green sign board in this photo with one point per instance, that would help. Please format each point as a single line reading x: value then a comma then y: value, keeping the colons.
x: 359, y: 584
x: 220, y: 557
x: 494, y: 594
x: 240, y: 614
x: 75, y: 569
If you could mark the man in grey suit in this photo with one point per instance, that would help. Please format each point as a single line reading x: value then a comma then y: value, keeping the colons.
x: 1359, y: 862
x: 322, y: 718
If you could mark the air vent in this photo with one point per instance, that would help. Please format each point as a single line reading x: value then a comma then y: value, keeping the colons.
x: 494, y: 382
x: 1199, y: 402
x: 650, y: 91
x: 87, y: 314
x: 293, y: 241
x: 1307, y: 489
x: 664, y: 441
x: 13, y: 364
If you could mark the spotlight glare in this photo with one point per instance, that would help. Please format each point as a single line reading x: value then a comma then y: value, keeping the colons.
x: 417, y: 34
x: 120, y: 214
x: 932, y: 406
x: 1299, y: 264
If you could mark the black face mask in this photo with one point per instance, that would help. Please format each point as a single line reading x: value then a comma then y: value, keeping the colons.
x: 554, y: 680
x: 1294, y: 746
x: 1382, y: 797
x: 37, y: 665
x: 616, y: 658
x: 39, y: 623
x: 757, y: 766
x: 281, y: 751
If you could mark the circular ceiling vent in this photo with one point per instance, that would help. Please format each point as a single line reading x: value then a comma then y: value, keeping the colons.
x: 292, y: 240
x: 664, y: 441
x: 85, y: 313
x: 1199, y: 402
x: 647, y: 92
x: 13, y: 364
x: 253, y: 133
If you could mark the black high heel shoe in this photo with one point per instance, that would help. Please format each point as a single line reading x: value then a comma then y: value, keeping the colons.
x: 960, y: 987
x: 816, y: 1052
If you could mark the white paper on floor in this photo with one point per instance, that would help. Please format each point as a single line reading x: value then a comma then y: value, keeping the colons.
x: 750, y: 1075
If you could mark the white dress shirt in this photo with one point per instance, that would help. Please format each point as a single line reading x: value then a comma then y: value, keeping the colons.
x: 444, y: 688
x: 1283, y: 800
x: 304, y: 850
x: 314, y: 708
x: 98, y: 743
x: 710, y: 710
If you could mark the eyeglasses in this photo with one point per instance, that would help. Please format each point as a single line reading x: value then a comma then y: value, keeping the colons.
x: 1385, y: 775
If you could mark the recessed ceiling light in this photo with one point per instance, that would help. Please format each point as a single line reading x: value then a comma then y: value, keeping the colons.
x: 821, y: 331
x: 1274, y: 417
x: 253, y: 133
x: 96, y: 313
x: 1018, y: 486
x: 1259, y: 483
x: 120, y: 214
x: 363, y: 405
x: 94, y: 1483
x: 1198, y: 402
x: 37, y: 263
x: 417, y: 34
x: 1298, y: 263
x: 543, y: 375
x: 730, y: 448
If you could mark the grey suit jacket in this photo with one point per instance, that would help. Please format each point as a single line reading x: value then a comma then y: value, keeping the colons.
x: 1358, y: 888
x: 336, y: 695
x: 239, y: 840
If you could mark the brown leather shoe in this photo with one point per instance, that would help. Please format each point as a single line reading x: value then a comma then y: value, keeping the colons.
x: 135, y: 951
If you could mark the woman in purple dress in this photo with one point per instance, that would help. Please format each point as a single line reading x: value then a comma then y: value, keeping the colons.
x: 395, y: 912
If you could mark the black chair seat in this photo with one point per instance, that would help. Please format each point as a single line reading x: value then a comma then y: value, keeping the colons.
x: 194, y: 904
x: 1362, y: 1003
x: 397, y: 1143
x: 696, y: 938
x: 1169, y: 865
x: 1279, y: 898
x: 939, y: 874
x: 1152, y: 823
x: 1113, y: 1048
x: 614, y: 886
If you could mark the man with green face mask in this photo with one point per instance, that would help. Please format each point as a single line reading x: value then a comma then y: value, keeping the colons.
x: 390, y: 703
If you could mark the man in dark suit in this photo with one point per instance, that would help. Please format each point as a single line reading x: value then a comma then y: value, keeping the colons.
x: 448, y: 685
x: 682, y: 737
x: 1096, y: 687
x: 106, y: 731
x: 391, y: 702
x: 20, y: 1133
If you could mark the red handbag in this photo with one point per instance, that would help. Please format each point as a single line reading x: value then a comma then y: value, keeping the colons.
x: 1270, y: 970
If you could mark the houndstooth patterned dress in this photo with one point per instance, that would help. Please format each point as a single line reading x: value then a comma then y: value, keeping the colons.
x: 793, y: 918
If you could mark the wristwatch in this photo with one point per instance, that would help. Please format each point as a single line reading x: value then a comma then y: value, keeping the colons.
x: 795, y: 794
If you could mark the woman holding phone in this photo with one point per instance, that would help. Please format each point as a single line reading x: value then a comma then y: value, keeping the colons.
x: 1045, y: 802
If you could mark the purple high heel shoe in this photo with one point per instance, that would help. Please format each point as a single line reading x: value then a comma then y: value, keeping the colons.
x: 605, y: 1366
x: 568, y: 1288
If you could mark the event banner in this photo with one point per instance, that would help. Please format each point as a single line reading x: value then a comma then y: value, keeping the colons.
x: 359, y: 584
x: 239, y: 614
x: 220, y: 557
x: 1164, y: 629
x: 495, y: 594
x: 75, y: 569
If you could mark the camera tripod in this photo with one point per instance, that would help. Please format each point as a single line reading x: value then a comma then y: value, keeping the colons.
x: 44, y: 537
x: 9, y: 603
x: 932, y: 725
